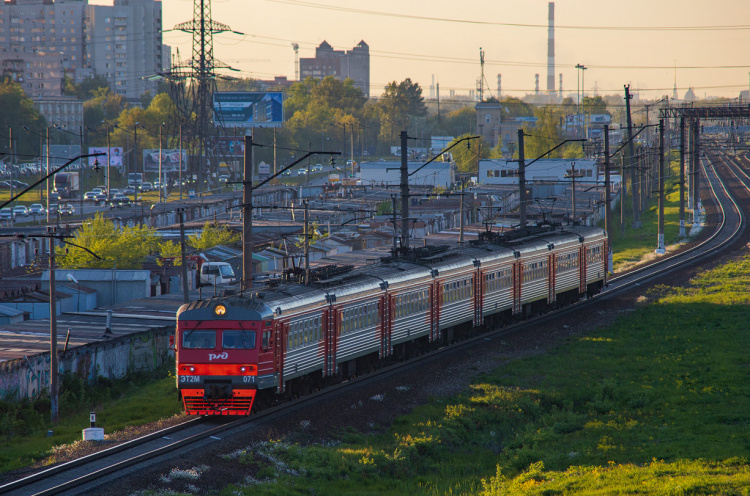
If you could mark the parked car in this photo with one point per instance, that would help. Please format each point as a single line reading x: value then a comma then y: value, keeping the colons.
x: 37, y: 209
x: 6, y: 214
x: 4, y: 185
x: 20, y: 210
x: 67, y: 209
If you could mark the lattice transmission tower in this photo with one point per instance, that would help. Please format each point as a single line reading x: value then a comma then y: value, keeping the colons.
x: 192, y: 84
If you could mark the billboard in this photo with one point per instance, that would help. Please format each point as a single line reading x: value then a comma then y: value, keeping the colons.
x: 170, y: 160
x: 115, y: 156
x: 248, y: 108
x: 230, y: 147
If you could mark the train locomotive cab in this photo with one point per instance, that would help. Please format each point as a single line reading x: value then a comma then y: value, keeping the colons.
x: 217, y: 346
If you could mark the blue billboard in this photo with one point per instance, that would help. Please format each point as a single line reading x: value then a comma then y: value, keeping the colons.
x: 248, y: 109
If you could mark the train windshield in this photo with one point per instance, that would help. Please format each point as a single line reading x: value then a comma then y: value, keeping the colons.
x: 240, y: 340
x: 199, y: 339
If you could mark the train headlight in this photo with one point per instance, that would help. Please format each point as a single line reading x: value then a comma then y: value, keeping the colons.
x: 192, y: 369
x: 243, y: 369
x: 220, y: 310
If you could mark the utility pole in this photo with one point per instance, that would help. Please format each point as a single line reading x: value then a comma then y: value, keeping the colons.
x: 12, y: 168
x: 306, y: 232
x: 622, y: 194
x: 631, y: 154
x: 185, y: 294
x: 573, y: 175
x: 696, y: 174
x: 180, y: 147
x: 395, y: 224
x: 607, y: 198
x: 461, y: 217
x: 521, y: 180
x: 53, y: 382
x: 247, y: 214
x: 682, y: 177
x: 47, y: 181
x: 404, y: 192
x: 660, y: 243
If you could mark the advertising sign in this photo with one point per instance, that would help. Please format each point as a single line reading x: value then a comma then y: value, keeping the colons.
x: 170, y: 160
x: 230, y: 147
x: 264, y: 168
x: 248, y: 108
x: 115, y: 156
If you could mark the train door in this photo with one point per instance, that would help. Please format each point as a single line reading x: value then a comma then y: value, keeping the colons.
x: 582, y: 270
x: 277, y: 344
x: 435, y: 302
x: 517, y: 281
x: 331, y: 339
x: 551, y: 277
x: 384, y: 316
x: 478, y: 296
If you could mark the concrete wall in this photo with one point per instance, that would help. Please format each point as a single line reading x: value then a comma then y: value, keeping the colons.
x: 28, y: 377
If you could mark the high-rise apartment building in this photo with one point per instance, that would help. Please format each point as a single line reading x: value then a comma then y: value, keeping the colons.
x: 124, y: 45
x: 354, y: 64
x: 121, y: 42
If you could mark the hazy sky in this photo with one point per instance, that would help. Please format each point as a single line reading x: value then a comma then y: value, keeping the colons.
x: 635, y: 41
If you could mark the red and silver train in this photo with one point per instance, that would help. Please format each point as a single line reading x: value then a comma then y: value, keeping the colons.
x: 293, y: 338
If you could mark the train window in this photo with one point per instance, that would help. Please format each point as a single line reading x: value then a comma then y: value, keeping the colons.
x: 240, y: 340
x: 199, y: 340
x: 265, y: 341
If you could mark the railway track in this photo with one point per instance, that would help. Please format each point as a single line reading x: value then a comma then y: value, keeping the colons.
x: 86, y: 474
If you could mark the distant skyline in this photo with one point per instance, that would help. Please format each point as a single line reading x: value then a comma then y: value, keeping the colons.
x: 637, y: 42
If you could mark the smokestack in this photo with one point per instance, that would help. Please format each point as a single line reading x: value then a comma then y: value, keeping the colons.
x: 561, y: 85
x: 499, y: 85
x: 551, y: 50
x: 536, y: 86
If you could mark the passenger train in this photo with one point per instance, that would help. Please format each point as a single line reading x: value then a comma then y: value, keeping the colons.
x: 293, y: 338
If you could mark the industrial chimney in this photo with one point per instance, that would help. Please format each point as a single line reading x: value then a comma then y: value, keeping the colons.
x: 551, y: 50
x: 536, y: 85
x: 561, y: 95
x: 499, y: 85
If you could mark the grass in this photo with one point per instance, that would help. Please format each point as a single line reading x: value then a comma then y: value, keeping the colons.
x: 656, y: 403
x: 634, y: 244
x: 118, y: 404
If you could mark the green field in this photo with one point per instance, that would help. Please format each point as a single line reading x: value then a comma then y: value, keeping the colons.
x: 656, y: 403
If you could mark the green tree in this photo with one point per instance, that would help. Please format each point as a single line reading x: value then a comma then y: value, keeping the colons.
x: 400, y: 106
x: 545, y: 135
x: 127, y: 246
x: 212, y: 235
x: 594, y: 105
x: 467, y: 154
x: 170, y: 249
x: 86, y: 88
x: 18, y: 111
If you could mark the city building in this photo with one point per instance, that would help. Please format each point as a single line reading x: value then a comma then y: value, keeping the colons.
x: 39, y: 73
x: 53, y: 39
x: 354, y: 64
x: 124, y: 44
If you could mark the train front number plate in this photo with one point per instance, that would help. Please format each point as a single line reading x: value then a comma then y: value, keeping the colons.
x: 190, y: 378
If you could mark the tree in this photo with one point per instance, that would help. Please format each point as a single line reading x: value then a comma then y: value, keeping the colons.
x: 467, y: 154
x: 170, y: 249
x: 86, y: 88
x: 545, y: 135
x: 401, y: 105
x: 126, y: 246
x: 212, y: 235
x: 18, y: 110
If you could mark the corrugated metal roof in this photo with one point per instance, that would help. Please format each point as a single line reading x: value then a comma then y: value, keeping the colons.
x: 10, y: 311
x: 99, y: 275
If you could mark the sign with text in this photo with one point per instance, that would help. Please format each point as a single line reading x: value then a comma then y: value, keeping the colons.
x: 170, y: 160
x: 115, y: 156
x: 248, y: 108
